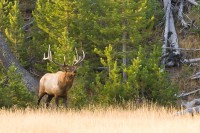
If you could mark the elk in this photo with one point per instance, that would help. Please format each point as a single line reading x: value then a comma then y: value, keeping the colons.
x: 58, y: 84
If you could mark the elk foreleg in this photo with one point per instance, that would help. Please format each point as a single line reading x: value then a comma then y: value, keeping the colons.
x: 49, y: 98
x: 40, y: 97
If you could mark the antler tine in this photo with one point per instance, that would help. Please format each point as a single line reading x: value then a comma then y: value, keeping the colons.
x: 82, y: 57
x: 49, y: 57
x: 64, y: 62
x: 78, y: 59
x: 76, y: 54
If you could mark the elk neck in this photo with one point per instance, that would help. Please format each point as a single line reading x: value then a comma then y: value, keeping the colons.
x: 69, y: 76
x: 66, y: 79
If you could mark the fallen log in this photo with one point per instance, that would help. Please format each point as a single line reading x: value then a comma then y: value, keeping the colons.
x: 192, y: 111
x: 195, y: 102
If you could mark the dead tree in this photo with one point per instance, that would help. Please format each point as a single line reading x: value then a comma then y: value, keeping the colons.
x: 8, y: 59
x: 171, y: 55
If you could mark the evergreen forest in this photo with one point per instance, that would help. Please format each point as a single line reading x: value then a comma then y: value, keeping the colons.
x: 122, y: 41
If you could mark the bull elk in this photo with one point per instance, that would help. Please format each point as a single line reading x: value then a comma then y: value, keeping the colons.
x: 58, y: 84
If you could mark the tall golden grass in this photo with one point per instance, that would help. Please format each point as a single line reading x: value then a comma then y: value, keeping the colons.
x: 100, y: 120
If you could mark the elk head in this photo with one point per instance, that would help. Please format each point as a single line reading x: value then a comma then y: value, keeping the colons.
x: 57, y: 84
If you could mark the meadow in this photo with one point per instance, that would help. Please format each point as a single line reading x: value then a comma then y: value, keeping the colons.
x: 97, y: 120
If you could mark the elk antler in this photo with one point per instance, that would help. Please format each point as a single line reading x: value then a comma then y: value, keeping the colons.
x: 78, y: 59
x: 49, y: 57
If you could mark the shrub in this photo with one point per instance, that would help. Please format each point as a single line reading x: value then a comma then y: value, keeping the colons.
x: 12, y: 90
x: 145, y: 79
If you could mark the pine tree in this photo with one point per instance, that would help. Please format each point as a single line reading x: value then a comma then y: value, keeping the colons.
x: 5, y: 7
x: 123, y: 24
x: 52, y: 19
x: 14, y: 31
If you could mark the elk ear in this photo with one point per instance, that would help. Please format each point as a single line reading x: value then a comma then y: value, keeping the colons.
x: 65, y: 68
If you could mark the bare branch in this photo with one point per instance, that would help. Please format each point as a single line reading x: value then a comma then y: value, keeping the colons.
x: 35, y: 74
x: 184, y: 49
x: 193, y: 2
x: 188, y: 93
x: 25, y: 27
x: 191, y: 60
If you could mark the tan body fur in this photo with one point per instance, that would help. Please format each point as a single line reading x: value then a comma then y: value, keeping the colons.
x: 56, y: 85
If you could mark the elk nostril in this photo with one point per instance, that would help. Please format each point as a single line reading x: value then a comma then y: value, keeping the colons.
x: 75, y: 71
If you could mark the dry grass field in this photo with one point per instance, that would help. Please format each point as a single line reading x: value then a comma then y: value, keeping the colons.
x: 110, y: 120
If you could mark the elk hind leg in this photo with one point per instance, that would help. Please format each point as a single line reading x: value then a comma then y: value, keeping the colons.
x: 56, y: 100
x: 65, y: 101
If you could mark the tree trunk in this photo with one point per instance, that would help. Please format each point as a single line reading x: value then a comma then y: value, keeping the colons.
x: 8, y: 59
x: 170, y: 37
x: 167, y: 6
x: 124, y: 36
x: 180, y: 14
x: 174, y: 39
